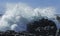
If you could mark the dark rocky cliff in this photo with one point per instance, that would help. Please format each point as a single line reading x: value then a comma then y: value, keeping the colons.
x: 43, y: 27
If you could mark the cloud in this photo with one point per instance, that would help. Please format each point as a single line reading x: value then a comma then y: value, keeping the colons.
x: 17, y: 15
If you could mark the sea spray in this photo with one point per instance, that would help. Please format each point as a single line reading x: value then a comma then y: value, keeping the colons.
x: 17, y: 15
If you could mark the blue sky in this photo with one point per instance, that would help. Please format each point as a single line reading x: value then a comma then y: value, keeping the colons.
x: 33, y: 3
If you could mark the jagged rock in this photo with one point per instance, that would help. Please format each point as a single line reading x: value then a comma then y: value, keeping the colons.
x: 58, y: 18
x: 42, y: 27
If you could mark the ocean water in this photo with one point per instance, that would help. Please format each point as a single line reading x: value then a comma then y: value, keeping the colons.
x: 17, y: 16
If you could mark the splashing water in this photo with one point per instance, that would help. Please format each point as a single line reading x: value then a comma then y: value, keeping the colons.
x: 18, y: 15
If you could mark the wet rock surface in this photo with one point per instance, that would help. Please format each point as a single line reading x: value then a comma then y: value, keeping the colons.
x: 42, y: 27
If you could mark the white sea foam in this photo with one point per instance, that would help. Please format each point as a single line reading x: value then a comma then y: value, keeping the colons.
x: 17, y: 15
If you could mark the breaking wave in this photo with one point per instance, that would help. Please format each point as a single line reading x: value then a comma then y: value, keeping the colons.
x: 17, y: 15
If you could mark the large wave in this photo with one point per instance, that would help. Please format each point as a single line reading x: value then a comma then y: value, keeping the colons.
x: 17, y: 15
